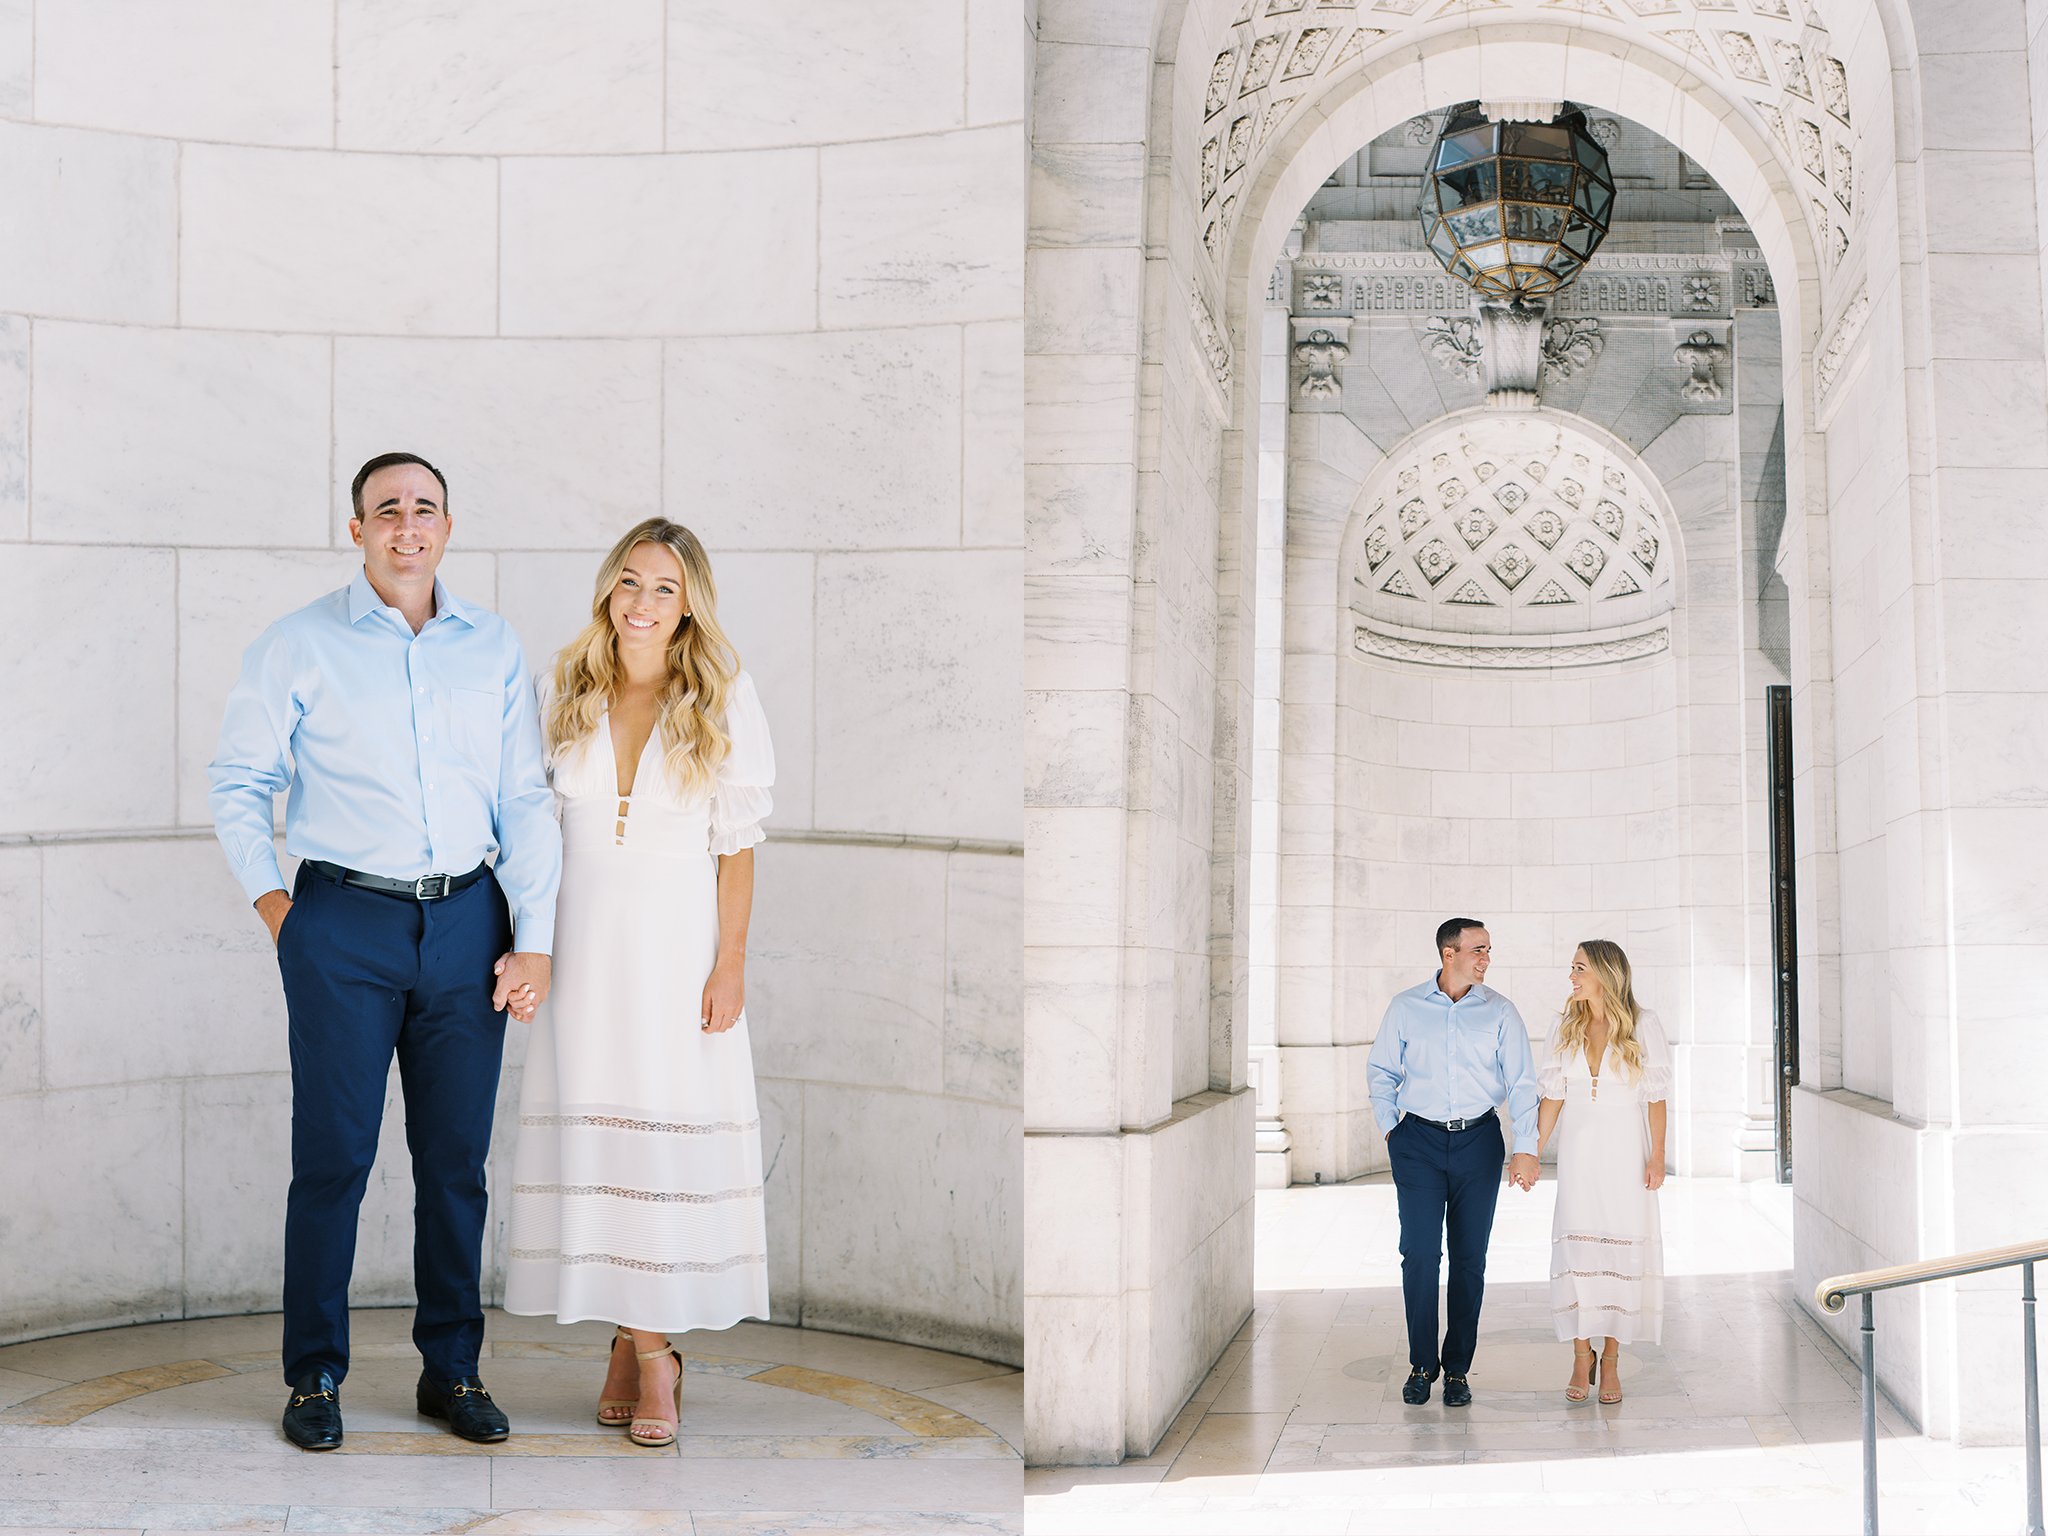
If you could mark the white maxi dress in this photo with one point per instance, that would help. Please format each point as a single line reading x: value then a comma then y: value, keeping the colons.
x: 1606, y: 1246
x: 636, y: 1178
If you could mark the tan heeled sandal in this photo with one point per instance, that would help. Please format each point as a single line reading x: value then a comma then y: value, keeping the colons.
x: 1607, y: 1382
x: 619, y: 1409
x: 1573, y: 1392
x: 666, y: 1427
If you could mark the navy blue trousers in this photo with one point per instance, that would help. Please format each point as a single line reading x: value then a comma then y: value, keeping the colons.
x: 1446, y: 1183
x: 367, y: 976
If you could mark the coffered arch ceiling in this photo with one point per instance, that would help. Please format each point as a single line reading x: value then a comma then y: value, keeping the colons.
x: 1262, y: 65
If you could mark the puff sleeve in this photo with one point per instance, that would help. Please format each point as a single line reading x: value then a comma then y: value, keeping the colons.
x: 1550, y: 1065
x: 740, y: 801
x: 1656, y: 1057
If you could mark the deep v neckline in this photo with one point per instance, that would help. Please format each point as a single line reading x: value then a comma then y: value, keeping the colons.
x: 1593, y: 1067
x: 612, y: 747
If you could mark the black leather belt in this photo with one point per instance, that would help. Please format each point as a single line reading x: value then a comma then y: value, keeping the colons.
x: 1453, y: 1125
x: 426, y: 888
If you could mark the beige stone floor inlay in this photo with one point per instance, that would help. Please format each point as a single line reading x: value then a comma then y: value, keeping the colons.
x: 174, y: 1427
x: 1744, y: 1421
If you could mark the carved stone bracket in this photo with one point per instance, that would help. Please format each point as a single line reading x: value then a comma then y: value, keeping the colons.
x: 1700, y: 354
x: 1514, y: 349
x: 1321, y: 353
x: 1569, y: 345
x: 1368, y: 640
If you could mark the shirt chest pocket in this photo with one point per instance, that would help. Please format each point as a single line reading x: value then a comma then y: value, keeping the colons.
x: 475, y: 720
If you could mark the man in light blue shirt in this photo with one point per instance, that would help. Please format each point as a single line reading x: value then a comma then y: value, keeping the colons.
x: 403, y: 727
x: 1448, y: 1054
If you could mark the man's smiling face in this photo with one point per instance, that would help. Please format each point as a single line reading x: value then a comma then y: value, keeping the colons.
x: 403, y: 526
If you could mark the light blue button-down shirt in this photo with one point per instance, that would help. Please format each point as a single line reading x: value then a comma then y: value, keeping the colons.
x: 405, y: 755
x: 1453, y: 1061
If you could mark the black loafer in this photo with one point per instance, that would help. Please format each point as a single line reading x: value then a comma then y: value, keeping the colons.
x: 312, y: 1419
x: 1457, y: 1392
x: 466, y: 1404
x: 1415, y: 1391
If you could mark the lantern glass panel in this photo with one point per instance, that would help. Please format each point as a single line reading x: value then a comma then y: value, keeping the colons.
x: 1473, y: 225
x: 1581, y: 238
x: 1591, y: 155
x: 1485, y: 256
x: 1526, y: 252
x: 1549, y: 140
x: 1538, y: 181
x: 1474, y: 144
x: 1535, y: 221
x: 1470, y: 184
x: 1597, y: 199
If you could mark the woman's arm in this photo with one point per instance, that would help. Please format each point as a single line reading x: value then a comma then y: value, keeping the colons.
x: 725, y: 993
x: 1547, y: 1111
x: 1653, y: 1174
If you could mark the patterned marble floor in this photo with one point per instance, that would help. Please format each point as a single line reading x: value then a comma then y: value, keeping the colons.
x: 1745, y: 1419
x: 173, y: 1427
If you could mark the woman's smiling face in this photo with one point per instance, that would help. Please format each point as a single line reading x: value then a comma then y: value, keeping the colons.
x: 647, y: 601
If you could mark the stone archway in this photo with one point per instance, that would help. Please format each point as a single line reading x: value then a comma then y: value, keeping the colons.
x: 1150, y: 391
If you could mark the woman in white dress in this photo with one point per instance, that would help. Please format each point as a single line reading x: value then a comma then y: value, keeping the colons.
x: 636, y: 1180
x: 1605, y: 1081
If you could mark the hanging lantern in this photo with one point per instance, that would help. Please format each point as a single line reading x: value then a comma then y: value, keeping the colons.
x: 1515, y: 209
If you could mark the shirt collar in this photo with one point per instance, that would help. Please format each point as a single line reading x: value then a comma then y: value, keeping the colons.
x: 1436, y: 989
x: 363, y: 599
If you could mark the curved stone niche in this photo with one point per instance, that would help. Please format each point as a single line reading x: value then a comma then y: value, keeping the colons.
x: 1504, y: 526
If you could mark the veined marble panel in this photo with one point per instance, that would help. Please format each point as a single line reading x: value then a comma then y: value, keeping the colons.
x: 14, y: 386
x: 920, y: 693
x: 91, y: 231
x: 731, y: 473
x: 17, y: 56
x: 998, y: 39
x: 90, y: 735
x: 176, y: 437
x: 289, y: 240
x: 242, y: 71
x: 499, y: 77
x: 546, y: 444
x: 21, y: 970
x: 679, y: 253
x: 884, y: 69
x: 1087, y: 194
x: 984, y: 1035
x: 73, y: 1141
x: 237, y: 1151
x: 205, y: 982
x: 782, y: 1162
x: 992, y: 453
x: 914, y: 1229
x: 922, y: 230
x: 847, y: 967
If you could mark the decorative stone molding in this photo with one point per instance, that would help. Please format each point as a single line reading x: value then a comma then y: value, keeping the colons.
x: 1453, y: 340
x: 1209, y: 337
x: 1518, y: 655
x: 1569, y: 345
x: 1321, y: 354
x: 1828, y: 366
x: 1510, y: 524
x: 1700, y: 354
x: 1411, y: 282
x: 1773, y: 60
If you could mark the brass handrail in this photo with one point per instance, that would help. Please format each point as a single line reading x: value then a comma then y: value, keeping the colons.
x: 1833, y: 1293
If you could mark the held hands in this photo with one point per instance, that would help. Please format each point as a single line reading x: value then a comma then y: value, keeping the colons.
x: 1522, y: 1169
x: 725, y: 994
x: 523, y: 981
x: 1653, y: 1173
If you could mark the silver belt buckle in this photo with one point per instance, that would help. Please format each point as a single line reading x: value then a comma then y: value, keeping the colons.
x: 1456, y: 1125
x: 421, y: 887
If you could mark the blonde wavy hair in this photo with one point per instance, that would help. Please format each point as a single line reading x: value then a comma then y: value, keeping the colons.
x: 1617, y: 986
x: 701, y: 665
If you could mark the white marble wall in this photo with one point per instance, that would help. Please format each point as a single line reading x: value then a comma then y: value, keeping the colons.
x: 757, y: 271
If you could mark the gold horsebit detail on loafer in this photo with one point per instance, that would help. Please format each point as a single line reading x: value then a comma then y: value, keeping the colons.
x: 458, y: 1390
x: 307, y: 1397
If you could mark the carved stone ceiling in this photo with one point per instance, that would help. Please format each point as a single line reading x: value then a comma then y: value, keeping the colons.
x: 1772, y: 58
x: 1511, y: 525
